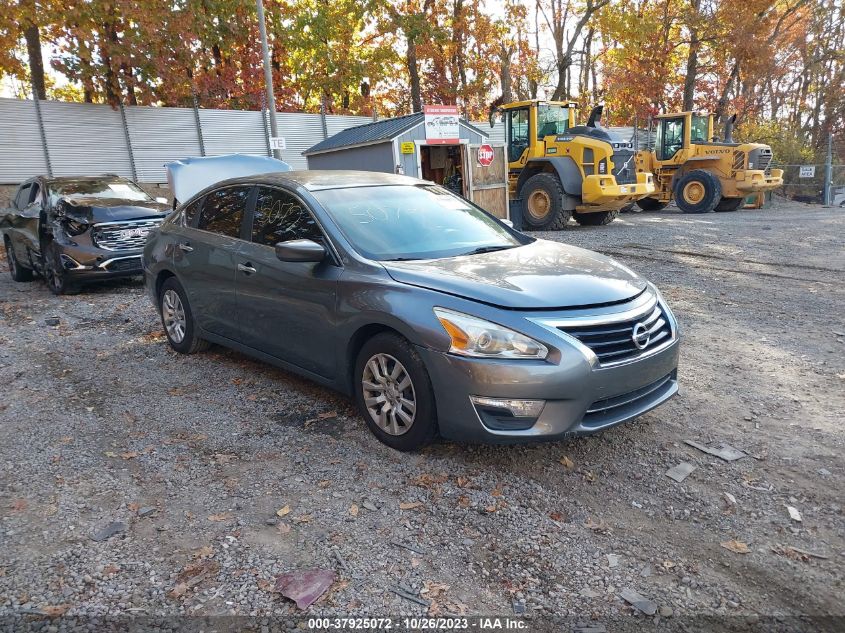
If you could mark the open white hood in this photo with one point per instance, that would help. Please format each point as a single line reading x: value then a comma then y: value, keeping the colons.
x: 189, y: 176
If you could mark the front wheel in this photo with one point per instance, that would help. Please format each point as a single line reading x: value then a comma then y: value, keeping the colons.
x: 177, y: 318
x: 650, y: 204
x: 729, y: 204
x: 542, y: 203
x: 698, y: 191
x: 54, y: 273
x: 596, y: 218
x: 394, y: 393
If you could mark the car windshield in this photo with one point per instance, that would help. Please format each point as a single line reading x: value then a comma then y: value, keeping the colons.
x: 551, y: 119
x: 413, y: 222
x: 120, y: 190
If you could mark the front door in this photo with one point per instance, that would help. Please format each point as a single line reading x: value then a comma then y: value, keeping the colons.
x: 287, y: 309
x: 487, y: 178
x: 205, y: 258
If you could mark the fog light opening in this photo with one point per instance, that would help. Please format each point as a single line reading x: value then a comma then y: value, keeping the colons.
x: 507, y: 414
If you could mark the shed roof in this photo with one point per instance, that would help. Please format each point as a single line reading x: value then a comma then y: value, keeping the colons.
x: 378, y: 131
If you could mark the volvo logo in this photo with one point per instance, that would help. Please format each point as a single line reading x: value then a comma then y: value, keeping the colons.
x: 641, y: 336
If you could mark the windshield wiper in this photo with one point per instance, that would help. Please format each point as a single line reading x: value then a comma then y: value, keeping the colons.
x: 402, y: 259
x: 488, y: 249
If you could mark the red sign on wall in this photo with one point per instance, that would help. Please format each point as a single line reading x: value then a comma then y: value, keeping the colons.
x: 441, y: 124
x: 485, y: 155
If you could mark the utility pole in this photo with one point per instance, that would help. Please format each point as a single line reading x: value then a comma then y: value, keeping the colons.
x: 268, y: 74
x: 828, y: 170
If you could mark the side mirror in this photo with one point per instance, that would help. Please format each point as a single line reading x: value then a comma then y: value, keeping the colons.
x: 161, y: 200
x: 300, y: 251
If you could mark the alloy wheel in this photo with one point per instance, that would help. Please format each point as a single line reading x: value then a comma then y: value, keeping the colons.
x: 389, y: 395
x: 173, y: 315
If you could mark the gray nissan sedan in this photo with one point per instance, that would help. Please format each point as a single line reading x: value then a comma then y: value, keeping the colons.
x: 435, y: 316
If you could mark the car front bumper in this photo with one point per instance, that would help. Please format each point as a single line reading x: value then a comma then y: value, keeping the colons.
x: 580, y: 396
x: 90, y: 263
x: 758, y: 180
x: 603, y: 192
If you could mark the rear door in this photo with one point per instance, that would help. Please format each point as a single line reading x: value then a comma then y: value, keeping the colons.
x: 205, y: 257
x: 287, y: 309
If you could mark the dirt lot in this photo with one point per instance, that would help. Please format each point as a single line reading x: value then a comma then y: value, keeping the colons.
x: 194, y: 456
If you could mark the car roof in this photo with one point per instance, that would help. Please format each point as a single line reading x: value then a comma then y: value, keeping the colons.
x: 321, y: 179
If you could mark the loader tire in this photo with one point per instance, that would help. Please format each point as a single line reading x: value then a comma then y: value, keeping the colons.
x: 698, y: 191
x: 596, y: 218
x: 542, y: 204
x: 729, y: 204
x: 650, y: 204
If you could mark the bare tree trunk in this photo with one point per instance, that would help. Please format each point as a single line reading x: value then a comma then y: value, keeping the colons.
x: 33, y: 48
x: 414, y: 74
x: 692, y: 59
x: 505, y: 53
x: 722, y: 106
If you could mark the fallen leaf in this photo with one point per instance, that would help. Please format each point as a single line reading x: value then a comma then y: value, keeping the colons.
x: 325, y: 483
x: 55, y: 610
x: 556, y: 516
x: 305, y: 518
x: 223, y: 516
x: 601, y: 527
x: 19, y: 505
x: 353, y: 510
x: 496, y: 492
x: 410, y: 505
x: 66, y: 440
x: 176, y: 391
x: 567, y: 463
x: 427, y: 480
x: 589, y: 476
x: 283, y: 528
x: 266, y: 585
x: 129, y: 455
x: 491, y: 508
x: 304, y: 587
x: 283, y: 511
x: 206, y: 551
x: 133, y: 507
x: 463, y: 501
x: 737, y: 547
x: 463, y: 482
x: 110, y: 454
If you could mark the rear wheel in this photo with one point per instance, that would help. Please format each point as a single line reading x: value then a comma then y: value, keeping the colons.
x: 542, y: 203
x: 177, y: 318
x: 596, y: 218
x: 16, y: 270
x: 698, y: 191
x: 394, y: 393
x: 729, y: 204
x: 631, y: 207
x: 650, y: 204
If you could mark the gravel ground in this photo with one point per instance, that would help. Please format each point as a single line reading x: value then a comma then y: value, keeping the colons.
x: 194, y: 456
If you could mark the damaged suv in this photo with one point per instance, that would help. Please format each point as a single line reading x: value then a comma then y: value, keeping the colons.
x: 78, y: 229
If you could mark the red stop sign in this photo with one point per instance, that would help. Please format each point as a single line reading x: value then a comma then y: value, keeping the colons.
x: 485, y: 155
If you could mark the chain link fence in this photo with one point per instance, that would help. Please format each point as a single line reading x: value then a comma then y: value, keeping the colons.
x: 806, y: 183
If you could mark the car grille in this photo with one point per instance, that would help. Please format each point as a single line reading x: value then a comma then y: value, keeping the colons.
x: 760, y: 158
x: 623, y: 167
x: 614, y: 342
x: 123, y: 236
x: 123, y: 264
x: 603, y: 411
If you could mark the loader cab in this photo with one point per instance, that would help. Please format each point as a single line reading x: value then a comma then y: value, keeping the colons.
x: 528, y: 123
x: 676, y: 132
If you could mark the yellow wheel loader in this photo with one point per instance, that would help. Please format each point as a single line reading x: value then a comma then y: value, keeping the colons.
x: 561, y: 170
x: 700, y: 172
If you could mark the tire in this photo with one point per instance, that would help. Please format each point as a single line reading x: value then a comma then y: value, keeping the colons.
x: 174, y: 309
x: 18, y: 272
x: 650, y: 204
x: 729, y: 204
x: 55, y: 274
x: 542, y: 203
x: 698, y: 191
x: 596, y: 218
x: 376, y: 363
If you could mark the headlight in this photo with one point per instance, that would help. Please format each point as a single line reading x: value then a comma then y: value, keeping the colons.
x: 75, y: 228
x: 476, y: 337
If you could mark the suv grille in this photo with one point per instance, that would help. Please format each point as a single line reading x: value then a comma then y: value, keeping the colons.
x: 123, y: 236
x: 615, y: 342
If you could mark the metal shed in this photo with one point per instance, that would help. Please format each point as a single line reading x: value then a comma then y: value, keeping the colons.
x: 413, y: 145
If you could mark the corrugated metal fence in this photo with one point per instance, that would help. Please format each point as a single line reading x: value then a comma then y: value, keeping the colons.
x: 136, y: 141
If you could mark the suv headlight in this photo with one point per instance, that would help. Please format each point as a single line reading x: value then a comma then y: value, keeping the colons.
x: 476, y: 337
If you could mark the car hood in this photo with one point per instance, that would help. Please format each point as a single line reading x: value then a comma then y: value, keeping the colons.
x: 92, y: 210
x: 539, y: 275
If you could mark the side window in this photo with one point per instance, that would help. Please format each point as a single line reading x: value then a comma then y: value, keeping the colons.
x: 22, y: 198
x: 518, y: 127
x: 189, y: 212
x: 673, y: 137
x: 35, y: 189
x: 223, y: 211
x: 279, y: 217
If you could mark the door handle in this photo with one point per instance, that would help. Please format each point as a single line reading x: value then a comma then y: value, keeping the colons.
x: 247, y: 268
x: 186, y: 247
